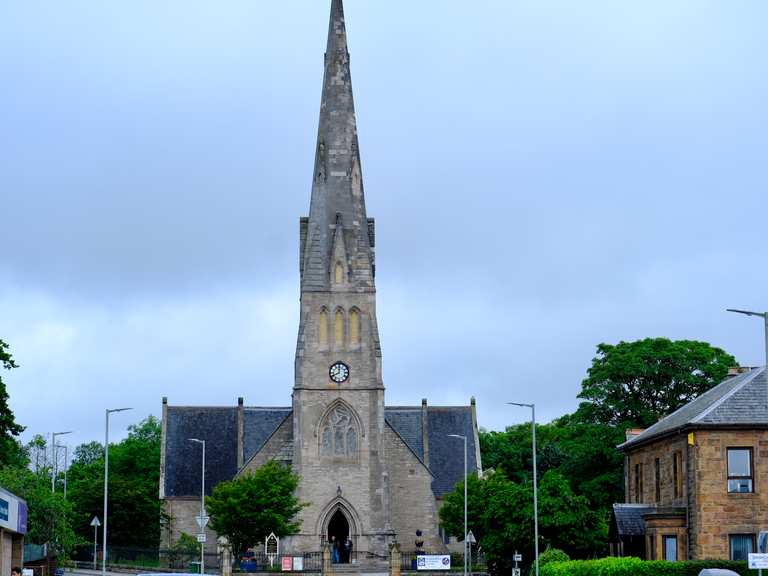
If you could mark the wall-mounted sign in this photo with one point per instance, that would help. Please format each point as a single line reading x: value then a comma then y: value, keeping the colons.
x: 433, y: 562
x: 13, y: 512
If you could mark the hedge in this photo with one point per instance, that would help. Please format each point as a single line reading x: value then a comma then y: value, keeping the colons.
x: 637, y: 567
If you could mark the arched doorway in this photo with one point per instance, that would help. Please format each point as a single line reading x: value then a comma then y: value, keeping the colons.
x: 338, y: 532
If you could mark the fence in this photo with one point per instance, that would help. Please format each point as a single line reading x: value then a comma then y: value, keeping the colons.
x: 146, y: 558
x: 409, y: 562
x: 260, y: 562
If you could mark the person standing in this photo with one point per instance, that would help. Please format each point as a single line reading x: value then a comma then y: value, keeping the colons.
x: 335, y: 553
x: 347, y: 550
x: 15, y: 571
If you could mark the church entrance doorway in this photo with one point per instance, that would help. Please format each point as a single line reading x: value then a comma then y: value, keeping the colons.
x: 338, y: 534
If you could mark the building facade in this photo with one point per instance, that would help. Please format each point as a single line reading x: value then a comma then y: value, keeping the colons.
x: 13, y: 527
x: 696, y: 483
x: 368, y: 471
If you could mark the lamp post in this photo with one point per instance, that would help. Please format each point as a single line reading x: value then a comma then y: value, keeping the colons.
x: 202, y: 505
x: 66, y: 465
x: 764, y: 316
x: 535, y: 482
x: 465, y: 497
x: 53, y: 449
x: 106, y: 485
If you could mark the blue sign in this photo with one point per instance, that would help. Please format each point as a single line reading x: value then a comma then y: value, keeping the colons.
x: 23, y: 513
x: 4, y: 509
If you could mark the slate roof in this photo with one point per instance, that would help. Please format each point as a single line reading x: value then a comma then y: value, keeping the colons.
x: 183, y: 459
x: 739, y: 401
x: 628, y: 518
x: 446, y: 460
x: 218, y: 427
x: 407, y: 422
x: 259, y: 424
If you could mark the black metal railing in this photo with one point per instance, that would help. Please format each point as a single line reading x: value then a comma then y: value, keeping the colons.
x: 409, y: 561
x: 253, y: 562
x: 146, y: 558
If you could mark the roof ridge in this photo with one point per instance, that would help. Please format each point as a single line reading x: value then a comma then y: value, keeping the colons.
x: 748, y: 377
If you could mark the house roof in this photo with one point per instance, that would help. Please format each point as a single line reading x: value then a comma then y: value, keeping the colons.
x: 628, y: 518
x: 738, y: 401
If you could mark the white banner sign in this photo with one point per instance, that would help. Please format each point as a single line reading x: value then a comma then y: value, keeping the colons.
x: 436, y: 562
x: 758, y: 561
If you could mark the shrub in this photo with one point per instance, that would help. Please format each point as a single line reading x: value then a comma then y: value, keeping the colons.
x: 637, y: 567
x: 548, y: 556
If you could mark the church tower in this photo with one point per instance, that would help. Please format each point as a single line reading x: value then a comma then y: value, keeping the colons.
x: 338, y: 397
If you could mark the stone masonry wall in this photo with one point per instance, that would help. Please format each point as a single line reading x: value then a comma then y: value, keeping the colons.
x: 413, y: 504
x: 271, y: 448
x: 182, y: 513
x: 721, y: 514
x: 664, y: 450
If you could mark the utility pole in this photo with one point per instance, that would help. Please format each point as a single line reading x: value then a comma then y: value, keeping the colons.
x: 53, y: 463
x: 535, y: 481
x: 203, y: 521
x: 106, y: 485
x: 466, y: 481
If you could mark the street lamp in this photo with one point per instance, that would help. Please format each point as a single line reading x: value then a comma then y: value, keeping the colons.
x: 106, y: 485
x: 202, y: 505
x: 465, y: 497
x: 66, y: 465
x: 764, y: 316
x: 53, y: 449
x: 535, y: 482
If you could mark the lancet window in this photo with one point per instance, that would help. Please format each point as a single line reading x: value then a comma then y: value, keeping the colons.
x: 339, y: 434
x: 322, y: 335
x: 339, y: 327
x: 354, y: 327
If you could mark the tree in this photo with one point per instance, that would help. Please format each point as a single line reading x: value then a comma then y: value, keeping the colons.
x: 250, y: 507
x: 49, y: 518
x: 500, y: 514
x: 10, y: 449
x: 636, y: 383
x: 134, y: 477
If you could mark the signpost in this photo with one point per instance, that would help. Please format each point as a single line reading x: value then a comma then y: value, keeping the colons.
x: 272, y: 548
x: 758, y: 561
x: 516, y: 558
x: 470, y: 540
x: 95, y: 523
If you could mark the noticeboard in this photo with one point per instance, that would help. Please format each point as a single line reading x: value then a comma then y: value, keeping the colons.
x: 758, y: 561
x: 433, y: 562
x: 287, y: 563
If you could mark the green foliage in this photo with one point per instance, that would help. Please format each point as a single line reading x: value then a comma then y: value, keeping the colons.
x: 637, y: 567
x: 500, y: 514
x: 135, y: 511
x: 548, y: 556
x: 10, y: 450
x: 636, y: 383
x: 584, y: 453
x: 248, y: 508
x: 49, y: 514
x: 186, y: 545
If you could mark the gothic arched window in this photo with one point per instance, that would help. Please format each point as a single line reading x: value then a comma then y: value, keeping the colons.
x: 339, y: 327
x: 323, y: 328
x: 354, y: 327
x: 339, y: 274
x: 339, y: 433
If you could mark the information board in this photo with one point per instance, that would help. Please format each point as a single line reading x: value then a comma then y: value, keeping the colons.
x: 758, y: 561
x: 287, y: 563
x: 433, y: 562
x: 298, y: 563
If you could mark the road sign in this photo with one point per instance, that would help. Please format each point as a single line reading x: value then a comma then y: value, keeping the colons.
x: 95, y: 522
x: 515, y: 571
x: 758, y: 561
x: 471, y: 538
x: 202, y: 521
x: 201, y: 538
x: 517, y: 558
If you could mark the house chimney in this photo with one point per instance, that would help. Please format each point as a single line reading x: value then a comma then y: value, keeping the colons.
x: 631, y: 433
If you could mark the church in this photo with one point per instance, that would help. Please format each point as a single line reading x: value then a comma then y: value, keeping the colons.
x: 370, y: 472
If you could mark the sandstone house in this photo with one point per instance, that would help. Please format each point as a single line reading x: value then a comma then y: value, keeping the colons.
x: 696, y: 482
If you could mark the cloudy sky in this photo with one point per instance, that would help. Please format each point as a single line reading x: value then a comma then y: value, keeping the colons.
x: 545, y: 176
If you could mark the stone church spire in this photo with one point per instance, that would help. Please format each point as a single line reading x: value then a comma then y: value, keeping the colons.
x: 337, y: 188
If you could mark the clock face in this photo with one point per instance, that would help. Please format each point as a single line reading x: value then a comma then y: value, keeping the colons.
x: 339, y: 372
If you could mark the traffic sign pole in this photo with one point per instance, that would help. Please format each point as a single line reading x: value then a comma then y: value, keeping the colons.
x: 95, y: 523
